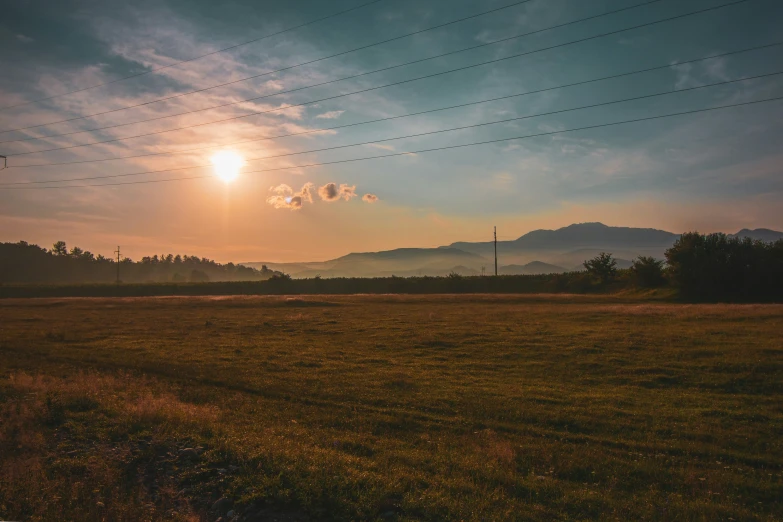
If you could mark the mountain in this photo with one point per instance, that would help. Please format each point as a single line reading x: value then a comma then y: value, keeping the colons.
x: 402, y: 262
x: 596, y: 234
x: 571, y: 245
x: 582, y: 235
x: 407, y: 255
x: 537, y: 252
x: 761, y: 234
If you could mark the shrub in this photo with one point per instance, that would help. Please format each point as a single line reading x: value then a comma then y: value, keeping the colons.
x: 647, y: 272
x: 602, y: 268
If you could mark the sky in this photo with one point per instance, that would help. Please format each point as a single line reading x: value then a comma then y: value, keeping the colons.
x: 719, y: 170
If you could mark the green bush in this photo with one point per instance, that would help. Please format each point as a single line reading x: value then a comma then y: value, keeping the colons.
x: 648, y: 272
x: 602, y: 268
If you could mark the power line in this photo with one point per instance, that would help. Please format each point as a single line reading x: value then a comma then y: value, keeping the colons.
x: 408, y: 153
x: 591, y: 106
x: 538, y: 91
x: 194, y: 58
x: 259, y: 76
x: 387, y: 85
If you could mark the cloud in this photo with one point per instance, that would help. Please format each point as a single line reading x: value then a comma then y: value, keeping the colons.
x: 689, y: 75
x: 24, y: 39
x: 331, y: 115
x: 286, y: 198
x: 331, y: 192
x: 502, y: 179
x: 307, y: 192
x: 275, y: 85
x: 370, y: 198
x: 381, y: 146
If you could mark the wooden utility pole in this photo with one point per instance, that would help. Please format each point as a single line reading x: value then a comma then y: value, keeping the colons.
x: 496, y: 251
x: 118, y: 263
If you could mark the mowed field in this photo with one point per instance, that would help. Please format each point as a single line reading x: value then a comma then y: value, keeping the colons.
x: 390, y: 408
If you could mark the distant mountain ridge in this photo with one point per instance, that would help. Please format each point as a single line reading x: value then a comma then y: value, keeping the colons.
x: 532, y: 268
x: 583, y: 235
x: 761, y: 234
x: 537, y: 252
x: 406, y: 253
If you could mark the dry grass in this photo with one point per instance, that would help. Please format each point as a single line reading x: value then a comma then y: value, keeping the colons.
x: 390, y: 408
x: 51, y: 469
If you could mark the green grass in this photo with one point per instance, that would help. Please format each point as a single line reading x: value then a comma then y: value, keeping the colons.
x: 453, y: 407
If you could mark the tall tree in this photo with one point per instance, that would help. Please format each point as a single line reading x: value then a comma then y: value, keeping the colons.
x: 603, y: 267
x: 60, y: 248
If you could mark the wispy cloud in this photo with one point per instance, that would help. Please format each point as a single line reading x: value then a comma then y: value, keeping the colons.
x: 690, y: 75
x: 331, y: 115
x: 369, y: 198
x: 381, y: 146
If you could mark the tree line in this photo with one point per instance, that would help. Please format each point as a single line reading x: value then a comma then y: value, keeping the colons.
x: 699, y: 267
x: 706, y: 267
x: 24, y: 263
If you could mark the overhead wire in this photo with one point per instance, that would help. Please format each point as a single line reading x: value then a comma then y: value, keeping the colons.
x: 156, y: 69
x: 326, y: 129
x: 407, y: 35
x: 158, y: 118
x: 408, y: 153
x: 518, y: 55
x: 417, y: 135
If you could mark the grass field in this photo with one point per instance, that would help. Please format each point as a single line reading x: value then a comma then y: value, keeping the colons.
x: 390, y: 408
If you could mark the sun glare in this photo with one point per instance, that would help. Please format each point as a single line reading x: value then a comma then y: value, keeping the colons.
x: 227, y: 165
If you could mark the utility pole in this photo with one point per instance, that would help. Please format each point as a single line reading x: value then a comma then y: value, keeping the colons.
x: 118, y: 263
x: 496, y: 251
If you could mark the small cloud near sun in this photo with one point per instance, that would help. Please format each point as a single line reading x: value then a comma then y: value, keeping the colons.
x: 369, y: 198
x: 286, y: 198
x: 331, y: 192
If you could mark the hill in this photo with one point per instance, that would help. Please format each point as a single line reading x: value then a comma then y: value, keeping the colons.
x: 582, y: 235
x: 761, y: 234
x: 400, y: 262
x: 538, y: 251
x: 533, y: 268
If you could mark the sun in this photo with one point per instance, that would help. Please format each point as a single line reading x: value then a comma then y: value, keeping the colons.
x: 227, y: 165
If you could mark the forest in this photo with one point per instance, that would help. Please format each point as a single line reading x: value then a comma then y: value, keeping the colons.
x: 25, y: 263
